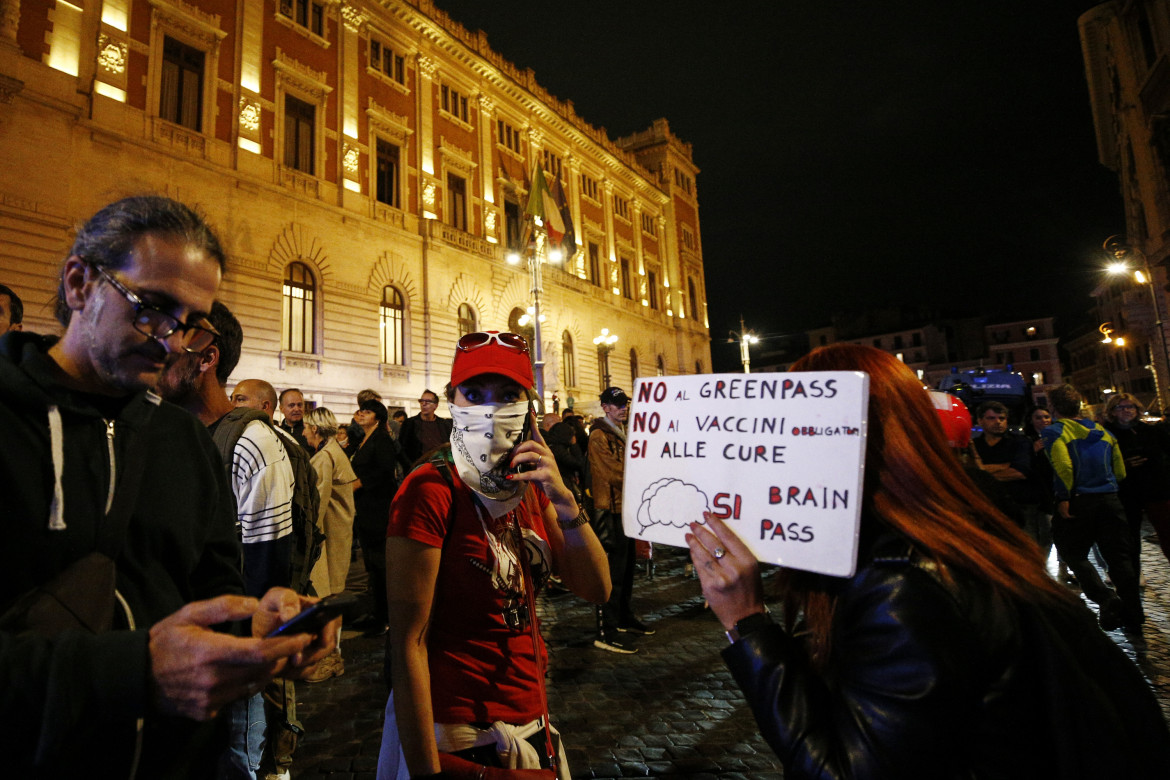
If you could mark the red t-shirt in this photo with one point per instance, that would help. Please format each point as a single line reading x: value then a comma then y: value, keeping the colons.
x: 481, y: 669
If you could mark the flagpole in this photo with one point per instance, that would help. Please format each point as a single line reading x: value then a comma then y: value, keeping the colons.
x: 538, y: 355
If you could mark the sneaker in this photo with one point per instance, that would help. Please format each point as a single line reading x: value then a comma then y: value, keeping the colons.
x: 331, y: 665
x: 1111, y: 615
x: 613, y: 646
x: 632, y: 625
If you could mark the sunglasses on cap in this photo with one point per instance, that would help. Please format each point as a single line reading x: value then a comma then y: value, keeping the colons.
x: 509, y: 341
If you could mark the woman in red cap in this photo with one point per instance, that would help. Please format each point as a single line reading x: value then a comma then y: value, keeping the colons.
x: 473, y: 534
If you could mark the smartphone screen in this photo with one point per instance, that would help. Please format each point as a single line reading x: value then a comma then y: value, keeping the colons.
x: 315, y: 617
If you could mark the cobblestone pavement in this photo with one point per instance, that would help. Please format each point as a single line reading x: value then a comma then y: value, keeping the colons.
x: 669, y: 710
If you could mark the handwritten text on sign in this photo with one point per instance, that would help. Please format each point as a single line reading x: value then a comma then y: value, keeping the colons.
x: 779, y: 457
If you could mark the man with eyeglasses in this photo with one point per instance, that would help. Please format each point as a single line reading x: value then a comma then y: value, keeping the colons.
x: 93, y: 463
x: 426, y: 430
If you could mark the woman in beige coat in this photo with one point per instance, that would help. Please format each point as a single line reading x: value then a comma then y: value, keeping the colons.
x: 335, y: 483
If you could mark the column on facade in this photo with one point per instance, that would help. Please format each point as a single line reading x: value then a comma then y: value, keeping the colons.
x: 636, y: 215
x: 426, y: 132
x: 352, y: 19
x: 487, y: 173
x: 574, y: 196
x: 610, y: 239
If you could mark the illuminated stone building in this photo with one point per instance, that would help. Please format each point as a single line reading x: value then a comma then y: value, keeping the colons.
x: 1126, y: 48
x: 367, y: 165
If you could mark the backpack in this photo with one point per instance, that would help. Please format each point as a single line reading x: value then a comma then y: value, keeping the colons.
x: 306, y: 501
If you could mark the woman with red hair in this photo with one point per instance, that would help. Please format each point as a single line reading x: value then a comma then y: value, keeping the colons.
x: 950, y: 652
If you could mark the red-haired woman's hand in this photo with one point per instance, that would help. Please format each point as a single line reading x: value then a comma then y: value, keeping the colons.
x: 728, y: 571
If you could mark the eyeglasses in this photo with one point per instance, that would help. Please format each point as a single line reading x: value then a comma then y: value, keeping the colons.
x: 160, y: 326
x: 426, y: 401
x: 510, y: 341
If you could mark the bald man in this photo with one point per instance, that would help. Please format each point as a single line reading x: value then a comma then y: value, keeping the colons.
x: 255, y: 394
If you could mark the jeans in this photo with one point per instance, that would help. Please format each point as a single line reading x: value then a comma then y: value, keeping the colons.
x: 246, y: 745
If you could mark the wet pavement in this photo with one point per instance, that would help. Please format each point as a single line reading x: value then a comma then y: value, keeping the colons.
x: 669, y: 710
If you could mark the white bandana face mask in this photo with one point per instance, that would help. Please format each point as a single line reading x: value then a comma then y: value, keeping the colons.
x: 482, y: 440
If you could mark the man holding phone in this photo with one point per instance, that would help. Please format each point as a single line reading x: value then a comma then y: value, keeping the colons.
x: 82, y: 426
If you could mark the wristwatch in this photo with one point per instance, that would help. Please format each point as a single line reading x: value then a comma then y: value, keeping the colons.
x: 748, y: 625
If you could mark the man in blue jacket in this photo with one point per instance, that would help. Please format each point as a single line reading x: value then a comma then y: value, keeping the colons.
x: 1087, y: 466
x: 82, y: 425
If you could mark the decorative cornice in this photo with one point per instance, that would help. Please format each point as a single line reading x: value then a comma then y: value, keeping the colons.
x: 9, y: 88
x: 486, y: 104
x: 187, y: 18
x: 456, y: 157
x: 388, y: 122
x: 308, y: 79
x: 427, y: 66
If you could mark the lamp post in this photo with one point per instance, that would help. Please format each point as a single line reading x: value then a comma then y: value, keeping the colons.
x: 535, y: 263
x: 745, y: 341
x: 1121, y: 251
x: 605, y: 343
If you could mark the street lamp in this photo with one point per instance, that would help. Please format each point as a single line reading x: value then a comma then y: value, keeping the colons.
x: 605, y: 343
x: 745, y: 341
x: 535, y: 263
x: 1122, y: 251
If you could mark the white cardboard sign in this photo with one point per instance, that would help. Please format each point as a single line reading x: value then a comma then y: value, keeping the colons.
x: 779, y: 457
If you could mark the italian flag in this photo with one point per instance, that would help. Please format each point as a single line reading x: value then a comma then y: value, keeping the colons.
x: 542, y: 204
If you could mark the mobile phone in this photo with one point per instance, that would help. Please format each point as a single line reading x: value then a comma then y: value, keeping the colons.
x: 525, y: 435
x: 314, y: 617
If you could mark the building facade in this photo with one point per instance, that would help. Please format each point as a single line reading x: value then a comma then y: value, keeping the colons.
x: 367, y: 165
x: 1126, y: 46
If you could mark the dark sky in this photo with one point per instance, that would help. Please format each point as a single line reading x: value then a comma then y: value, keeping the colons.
x: 853, y: 154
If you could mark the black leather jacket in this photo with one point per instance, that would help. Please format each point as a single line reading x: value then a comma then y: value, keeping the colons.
x: 926, y: 680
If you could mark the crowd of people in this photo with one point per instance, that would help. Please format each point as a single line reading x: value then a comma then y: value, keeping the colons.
x: 161, y: 528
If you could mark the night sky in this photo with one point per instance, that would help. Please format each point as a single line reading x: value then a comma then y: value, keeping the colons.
x: 852, y: 154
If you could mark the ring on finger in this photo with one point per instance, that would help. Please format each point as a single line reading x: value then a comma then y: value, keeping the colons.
x: 719, y: 553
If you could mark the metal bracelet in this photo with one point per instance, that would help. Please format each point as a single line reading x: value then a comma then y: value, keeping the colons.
x: 578, y: 521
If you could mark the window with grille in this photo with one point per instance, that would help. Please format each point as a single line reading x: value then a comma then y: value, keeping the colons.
x: 392, y: 325
x: 299, y: 320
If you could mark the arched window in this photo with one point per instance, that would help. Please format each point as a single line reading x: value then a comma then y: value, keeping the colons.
x: 694, y: 299
x: 468, y: 322
x: 568, y: 361
x: 393, y: 326
x: 633, y: 368
x: 299, y: 320
x: 661, y: 367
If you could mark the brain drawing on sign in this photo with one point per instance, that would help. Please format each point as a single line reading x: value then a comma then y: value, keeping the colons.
x: 672, y: 502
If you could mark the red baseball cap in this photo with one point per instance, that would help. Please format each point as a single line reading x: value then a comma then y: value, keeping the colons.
x: 492, y: 352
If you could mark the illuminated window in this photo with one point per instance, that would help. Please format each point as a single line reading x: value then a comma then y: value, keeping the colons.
x: 299, y: 134
x: 386, y: 61
x: 306, y: 13
x: 392, y: 316
x: 456, y: 201
x: 589, y: 187
x: 299, y: 320
x: 627, y: 282
x: 181, y: 90
x: 507, y: 136
x: 386, y: 174
x: 621, y: 207
x: 467, y: 320
x: 453, y: 102
x: 552, y: 163
x: 568, y: 361
x: 595, y: 264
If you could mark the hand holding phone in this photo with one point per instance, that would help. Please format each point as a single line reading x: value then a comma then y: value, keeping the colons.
x: 313, y: 618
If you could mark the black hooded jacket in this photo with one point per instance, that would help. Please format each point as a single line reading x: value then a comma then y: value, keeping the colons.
x: 70, y: 705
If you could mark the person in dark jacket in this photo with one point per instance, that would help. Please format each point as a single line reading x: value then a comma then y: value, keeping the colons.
x: 374, y: 462
x: 81, y: 426
x: 561, y: 440
x: 1146, y: 487
x: 950, y: 652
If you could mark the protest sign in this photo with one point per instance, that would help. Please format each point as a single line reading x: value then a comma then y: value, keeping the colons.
x: 779, y: 457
